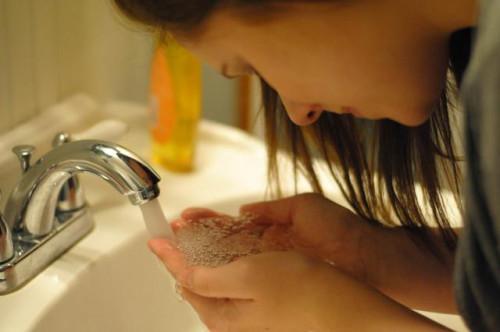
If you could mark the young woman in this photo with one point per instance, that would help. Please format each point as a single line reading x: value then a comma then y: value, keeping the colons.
x: 322, y: 64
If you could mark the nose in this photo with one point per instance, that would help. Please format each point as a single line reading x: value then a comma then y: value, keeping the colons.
x: 302, y: 114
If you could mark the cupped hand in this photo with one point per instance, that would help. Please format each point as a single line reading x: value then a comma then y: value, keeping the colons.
x: 318, y: 227
x: 251, y: 293
x: 284, y: 291
x: 313, y: 224
x: 385, y: 258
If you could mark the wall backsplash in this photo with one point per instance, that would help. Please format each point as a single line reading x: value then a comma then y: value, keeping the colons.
x: 51, y: 49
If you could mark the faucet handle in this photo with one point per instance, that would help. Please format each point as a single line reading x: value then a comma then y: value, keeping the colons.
x: 61, y: 138
x: 24, y: 154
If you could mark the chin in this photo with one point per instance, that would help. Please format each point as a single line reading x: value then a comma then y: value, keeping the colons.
x: 414, y: 117
x: 414, y: 120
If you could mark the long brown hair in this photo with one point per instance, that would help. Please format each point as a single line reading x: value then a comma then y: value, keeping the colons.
x: 377, y: 164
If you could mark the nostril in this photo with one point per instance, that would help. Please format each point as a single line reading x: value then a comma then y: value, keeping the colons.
x: 311, y: 115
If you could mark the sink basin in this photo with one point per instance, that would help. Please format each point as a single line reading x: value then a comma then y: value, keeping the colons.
x: 126, y: 290
x: 109, y: 281
x: 129, y: 290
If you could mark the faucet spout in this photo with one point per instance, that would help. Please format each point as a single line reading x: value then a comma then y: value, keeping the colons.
x: 32, y: 204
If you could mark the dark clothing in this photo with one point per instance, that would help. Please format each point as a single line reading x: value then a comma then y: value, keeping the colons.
x: 477, y: 274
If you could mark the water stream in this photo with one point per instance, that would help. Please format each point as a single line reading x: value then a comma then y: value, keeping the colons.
x: 156, y: 223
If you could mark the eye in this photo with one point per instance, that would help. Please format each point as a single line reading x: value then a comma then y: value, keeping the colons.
x: 236, y: 70
x: 249, y: 70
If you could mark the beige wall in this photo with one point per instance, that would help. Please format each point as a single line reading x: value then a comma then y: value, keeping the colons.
x: 50, y: 49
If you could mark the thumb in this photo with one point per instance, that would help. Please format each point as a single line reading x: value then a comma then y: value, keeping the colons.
x: 198, y: 213
x: 243, y: 279
x: 226, y: 281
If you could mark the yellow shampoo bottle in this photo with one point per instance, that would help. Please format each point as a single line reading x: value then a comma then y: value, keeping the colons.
x: 175, y: 106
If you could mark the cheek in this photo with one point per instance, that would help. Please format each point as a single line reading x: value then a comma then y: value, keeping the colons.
x: 406, y: 92
x: 291, y: 84
x: 420, y: 97
x: 292, y: 76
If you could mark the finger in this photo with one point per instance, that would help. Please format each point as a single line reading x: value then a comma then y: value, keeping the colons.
x: 216, y: 314
x: 197, y: 213
x: 204, y: 306
x: 195, y: 217
x: 177, y: 224
x: 241, y: 279
x: 191, y: 214
x: 202, y: 280
x: 171, y: 257
x: 236, y: 280
x: 277, y: 237
x: 277, y: 211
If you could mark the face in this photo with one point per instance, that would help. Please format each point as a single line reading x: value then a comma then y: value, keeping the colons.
x: 373, y: 59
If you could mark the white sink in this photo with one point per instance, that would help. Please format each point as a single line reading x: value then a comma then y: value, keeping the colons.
x: 109, y: 281
x: 126, y: 290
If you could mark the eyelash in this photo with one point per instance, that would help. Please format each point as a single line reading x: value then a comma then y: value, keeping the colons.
x: 250, y: 70
x: 244, y: 70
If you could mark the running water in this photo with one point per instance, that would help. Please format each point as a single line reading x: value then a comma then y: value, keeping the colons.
x: 156, y: 223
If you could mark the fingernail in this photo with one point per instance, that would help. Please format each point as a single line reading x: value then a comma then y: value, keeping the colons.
x: 176, y: 225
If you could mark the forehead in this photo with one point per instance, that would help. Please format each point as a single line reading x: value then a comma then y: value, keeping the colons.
x: 220, y: 26
x: 229, y: 21
x: 229, y: 34
x: 218, y: 39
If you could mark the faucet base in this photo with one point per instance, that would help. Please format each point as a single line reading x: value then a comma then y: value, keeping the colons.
x: 33, y: 255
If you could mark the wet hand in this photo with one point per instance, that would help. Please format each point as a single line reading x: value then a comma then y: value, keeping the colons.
x: 251, y: 293
x: 285, y: 291
x: 318, y: 227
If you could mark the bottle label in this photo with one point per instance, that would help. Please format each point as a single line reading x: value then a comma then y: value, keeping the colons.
x: 162, y: 101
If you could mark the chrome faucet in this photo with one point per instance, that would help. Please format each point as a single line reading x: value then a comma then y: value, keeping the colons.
x: 6, y: 246
x: 35, y: 229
